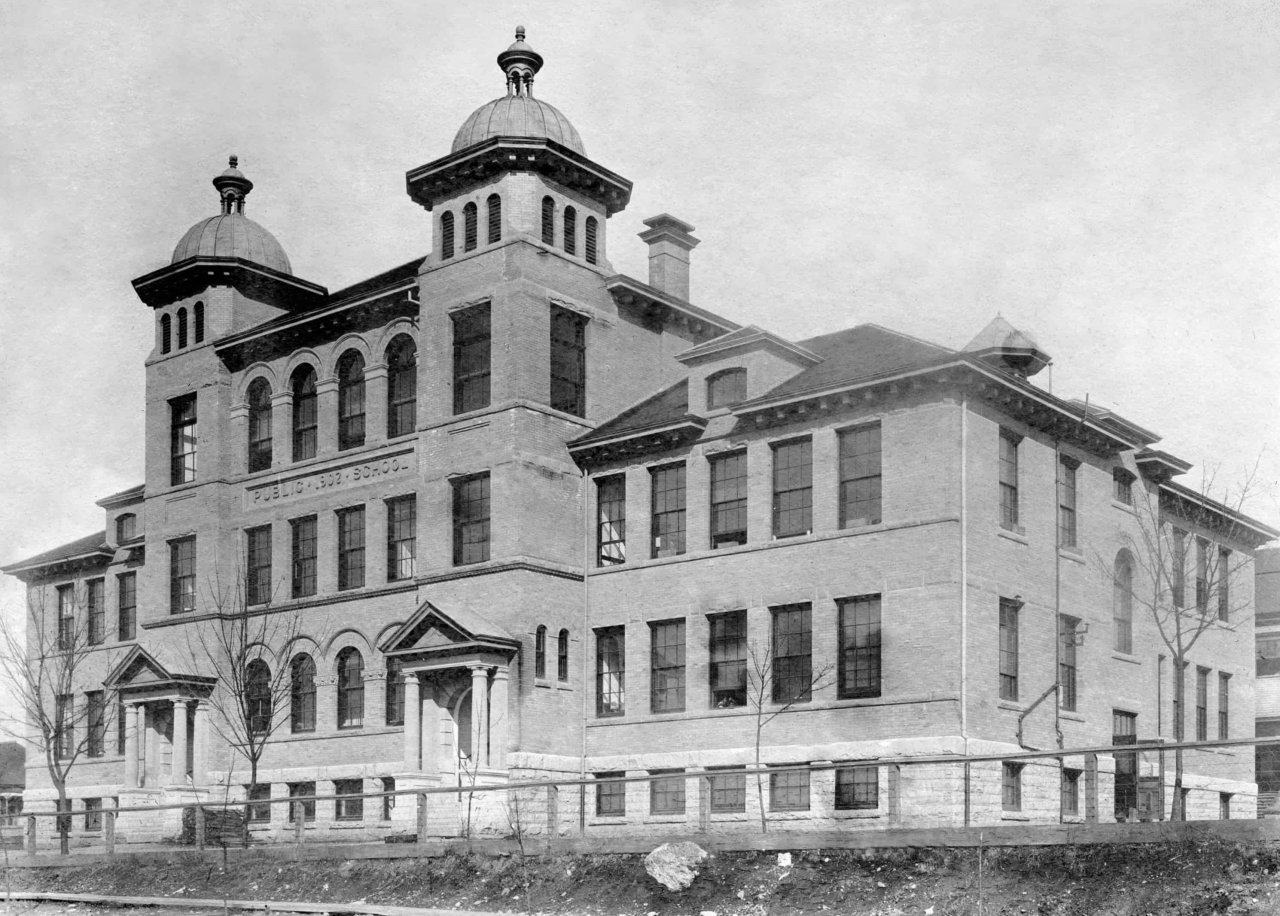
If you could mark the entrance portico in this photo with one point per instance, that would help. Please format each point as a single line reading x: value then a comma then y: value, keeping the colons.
x: 458, y: 712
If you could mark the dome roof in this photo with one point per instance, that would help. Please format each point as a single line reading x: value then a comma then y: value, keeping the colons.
x: 232, y: 235
x: 518, y: 116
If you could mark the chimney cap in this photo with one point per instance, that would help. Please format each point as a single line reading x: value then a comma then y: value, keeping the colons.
x: 665, y: 227
x: 667, y: 221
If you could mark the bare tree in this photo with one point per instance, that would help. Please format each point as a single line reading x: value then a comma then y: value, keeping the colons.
x: 245, y: 642
x: 45, y: 667
x: 774, y: 685
x: 1180, y: 569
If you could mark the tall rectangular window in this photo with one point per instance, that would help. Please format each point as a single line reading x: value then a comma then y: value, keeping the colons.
x: 1224, y: 706
x: 351, y: 547
x: 1202, y: 575
x: 64, y: 732
x: 857, y: 788
x: 611, y: 520
x: 666, y: 796
x: 303, y: 533
x: 611, y: 797
x: 1224, y: 584
x: 728, y: 651
x: 182, y: 575
x: 860, y: 476
x: 471, y: 519
x: 667, y: 525
x: 96, y: 707
x: 1070, y: 791
x: 1067, y: 670
x: 1067, y: 468
x: 792, y: 488
x: 1008, y: 649
x: 66, y: 617
x: 307, y: 808
x: 1011, y: 787
x: 182, y: 439
x: 792, y: 653
x: 666, y: 666
x: 1178, y: 564
x: 1124, y: 731
x: 568, y: 361
x: 258, y: 565
x: 728, y: 789
x: 348, y: 803
x: 127, y: 605
x: 1009, y: 479
x: 1122, y: 483
x: 402, y: 537
x: 258, y: 813
x: 393, y: 706
x: 859, y: 674
x: 96, y: 606
x: 92, y: 814
x: 471, y: 346
x: 789, y: 790
x: 728, y: 500
x: 1202, y: 704
x: 611, y: 655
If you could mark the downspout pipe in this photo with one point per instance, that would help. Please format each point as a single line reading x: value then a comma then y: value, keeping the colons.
x: 964, y: 571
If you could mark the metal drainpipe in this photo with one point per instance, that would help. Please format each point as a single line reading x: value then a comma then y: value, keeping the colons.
x: 964, y: 572
x: 587, y: 541
x: 1057, y: 628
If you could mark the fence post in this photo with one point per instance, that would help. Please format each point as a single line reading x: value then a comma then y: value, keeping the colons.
x: 200, y: 826
x: 422, y: 817
x: 1091, y: 788
x: 31, y: 835
x: 109, y: 831
x: 968, y: 805
x: 895, y: 795
x: 704, y: 804
x: 553, y: 814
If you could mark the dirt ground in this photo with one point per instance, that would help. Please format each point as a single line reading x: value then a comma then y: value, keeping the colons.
x: 1187, y: 879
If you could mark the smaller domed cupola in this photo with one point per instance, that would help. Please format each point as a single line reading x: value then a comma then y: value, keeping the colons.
x: 520, y: 63
x: 231, y: 234
x: 1004, y: 347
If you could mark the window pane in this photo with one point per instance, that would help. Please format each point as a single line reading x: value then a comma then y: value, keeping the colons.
x: 667, y: 796
x: 402, y: 537
x: 1008, y: 649
x: 860, y: 476
x: 668, y: 509
x: 258, y: 565
x: 471, y: 520
x: 183, y: 439
x: 611, y: 510
x: 667, y: 666
x: 304, y: 556
x: 402, y: 387
x: 728, y: 790
x: 127, y: 603
x: 1008, y: 480
x: 351, y: 547
x: 471, y: 348
x: 182, y: 575
x: 351, y: 410
x: 792, y: 488
x: 729, y: 500
x: 792, y: 654
x: 728, y: 654
x: 857, y: 788
x: 305, y: 416
x: 859, y: 674
x: 568, y: 361
x: 610, y: 671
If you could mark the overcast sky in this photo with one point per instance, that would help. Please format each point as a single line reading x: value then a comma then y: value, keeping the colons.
x: 1106, y: 175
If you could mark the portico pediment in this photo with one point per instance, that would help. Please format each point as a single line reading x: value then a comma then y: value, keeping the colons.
x: 432, y: 633
x: 139, y: 676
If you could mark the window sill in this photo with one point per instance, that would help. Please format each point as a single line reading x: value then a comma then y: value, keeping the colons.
x: 866, y: 815
x: 1014, y: 816
x: 1071, y: 715
x: 347, y: 825
x: 1071, y: 553
x: 1017, y: 535
x: 619, y: 820
x: 673, y: 817
x: 1125, y: 657
x: 1011, y: 705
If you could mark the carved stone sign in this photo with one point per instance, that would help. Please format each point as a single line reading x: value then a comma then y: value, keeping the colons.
x: 342, y: 477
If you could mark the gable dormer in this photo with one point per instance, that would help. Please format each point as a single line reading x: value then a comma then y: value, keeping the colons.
x: 739, y: 366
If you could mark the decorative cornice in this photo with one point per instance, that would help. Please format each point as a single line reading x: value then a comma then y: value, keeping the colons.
x: 161, y: 287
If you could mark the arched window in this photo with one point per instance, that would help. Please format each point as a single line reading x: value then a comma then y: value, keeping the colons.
x: 495, y: 218
x: 350, y: 688
x: 548, y: 221
x: 166, y: 334
x: 469, y: 217
x: 350, y: 400
x: 395, y: 691
x: 402, y: 386
x: 199, y: 322
x: 126, y: 527
x: 302, y: 694
x: 259, y: 425
x: 305, y: 421
x: 540, y: 653
x: 446, y: 235
x: 570, y: 230
x: 725, y: 388
x: 257, y: 692
x: 1122, y: 602
x: 589, y: 239
x: 182, y: 328
x: 562, y: 656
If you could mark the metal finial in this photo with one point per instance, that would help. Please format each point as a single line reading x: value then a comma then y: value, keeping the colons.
x: 519, y: 33
x: 234, y: 160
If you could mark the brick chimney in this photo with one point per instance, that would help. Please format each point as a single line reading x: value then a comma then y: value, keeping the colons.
x: 669, y: 246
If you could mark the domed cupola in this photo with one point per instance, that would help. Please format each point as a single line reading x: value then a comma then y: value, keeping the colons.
x: 231, y: 234
x: 518, y: 113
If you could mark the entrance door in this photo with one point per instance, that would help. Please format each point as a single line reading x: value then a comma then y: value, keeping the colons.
x: 1124, y: 730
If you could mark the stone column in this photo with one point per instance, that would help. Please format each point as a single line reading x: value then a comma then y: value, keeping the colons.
x: 131, y: 746
x: 430, y: 730
x: 281, y: 427
x: 145, y: 752
x: 200, y: 755
x: 412, y: 724
x: 498, y: 725
x: 178, y: 769
x: 327, y: 416
x: 479, y: 716
x: 375, y: 403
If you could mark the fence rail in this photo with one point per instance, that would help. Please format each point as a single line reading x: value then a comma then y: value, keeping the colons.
x: 551, y: 790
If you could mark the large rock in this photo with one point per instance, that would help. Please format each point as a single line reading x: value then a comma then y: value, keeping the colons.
x: 675, y: 865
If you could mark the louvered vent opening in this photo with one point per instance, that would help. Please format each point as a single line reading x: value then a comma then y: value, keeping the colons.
x: 589, y: 240
x: 495, y: 218
x: 570, y: 230
x: 469, y: 227
x: 548, y: 221
x: 446, y: 236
